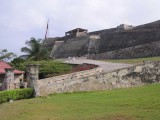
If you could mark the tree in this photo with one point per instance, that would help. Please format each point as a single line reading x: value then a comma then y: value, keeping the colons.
x: 5, y: 55
x: 16, y: 63
x: 35, y: 50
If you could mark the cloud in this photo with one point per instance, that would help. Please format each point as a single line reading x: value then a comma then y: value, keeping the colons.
x: 22, y: 19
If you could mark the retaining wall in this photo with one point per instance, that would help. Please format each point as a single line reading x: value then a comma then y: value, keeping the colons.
x: 89, y: 80
x: 60, y: 84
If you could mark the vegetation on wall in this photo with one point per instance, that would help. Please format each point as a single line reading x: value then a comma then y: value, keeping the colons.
x: 46, y: 66
x: 53, y: 67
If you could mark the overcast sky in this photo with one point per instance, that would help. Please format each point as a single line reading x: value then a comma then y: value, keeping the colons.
x: 22, y: 19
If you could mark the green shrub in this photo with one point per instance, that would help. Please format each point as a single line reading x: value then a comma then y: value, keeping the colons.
x: 16, y: 94
x: 16, y: 63
x: 47, y: 66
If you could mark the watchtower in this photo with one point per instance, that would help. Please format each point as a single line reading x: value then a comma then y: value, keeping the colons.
x: 77, y: 32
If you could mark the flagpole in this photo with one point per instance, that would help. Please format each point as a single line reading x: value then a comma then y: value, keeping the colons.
x: 47, y: 29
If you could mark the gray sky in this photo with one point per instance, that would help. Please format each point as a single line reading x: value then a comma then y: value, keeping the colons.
x: 22, y: 19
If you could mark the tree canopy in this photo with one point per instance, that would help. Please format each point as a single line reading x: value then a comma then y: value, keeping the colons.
x: 35, y: 50
x: 5, y: 55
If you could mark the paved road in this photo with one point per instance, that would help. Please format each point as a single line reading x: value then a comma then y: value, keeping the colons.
x: 106, y: 66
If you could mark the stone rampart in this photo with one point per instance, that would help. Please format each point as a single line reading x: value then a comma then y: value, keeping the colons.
x: 56, y: 47
x: 124, y: 39
x: 145, y: 50
x: 109, y: 40
x: 152, y: 25
x: 95, y: 79
x: 73, y: 47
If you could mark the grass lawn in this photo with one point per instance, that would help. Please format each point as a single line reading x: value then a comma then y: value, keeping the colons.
x: 137, y: 103
x: 134, y: 61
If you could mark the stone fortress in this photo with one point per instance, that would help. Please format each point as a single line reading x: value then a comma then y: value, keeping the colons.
x: 122, y: 42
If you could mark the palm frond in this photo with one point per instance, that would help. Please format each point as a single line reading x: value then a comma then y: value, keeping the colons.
x: 35, y: 49
x: 26, y: 50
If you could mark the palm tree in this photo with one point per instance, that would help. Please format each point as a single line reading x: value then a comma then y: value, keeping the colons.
x: 35, y: 51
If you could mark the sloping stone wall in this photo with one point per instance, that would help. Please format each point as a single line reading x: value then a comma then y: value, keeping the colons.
x: 62, y: 83
x: 72, y: 47
x: 152, y: 25
x: 145, y: 50
x: 109, y: 40
x: 146, y: 73
x: 56, y: 47
x: 124, y: 39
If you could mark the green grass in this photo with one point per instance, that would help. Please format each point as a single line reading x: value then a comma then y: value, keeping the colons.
x: 134, y: 61
x: 138, y: 103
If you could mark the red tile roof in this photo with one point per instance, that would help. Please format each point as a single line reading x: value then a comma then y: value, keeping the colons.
x: 4, y: 65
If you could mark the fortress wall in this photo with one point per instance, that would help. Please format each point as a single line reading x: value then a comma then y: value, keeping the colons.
x: 124, y: 39
x: 90, y: 80
x: 105, y: 31
x: 73, y: 47
x: 49, y: 42
x: 110, y: 40
x: 77, y: 46
x: 152, y: 25
x: 56, y: 47
x: 145, y: 50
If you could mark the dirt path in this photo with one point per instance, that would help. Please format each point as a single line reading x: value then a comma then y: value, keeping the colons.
x: 106, y: 66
